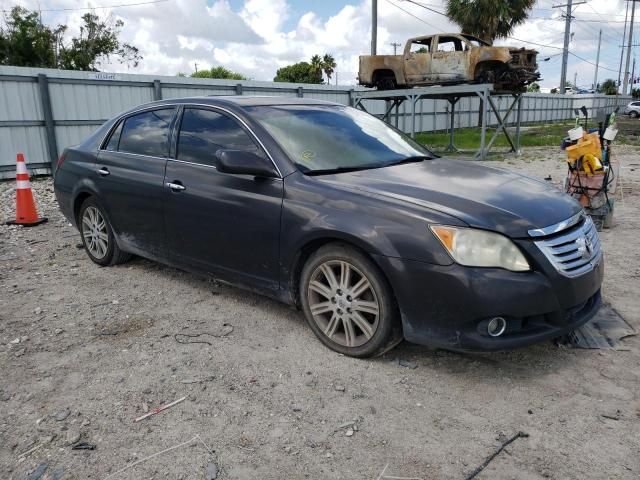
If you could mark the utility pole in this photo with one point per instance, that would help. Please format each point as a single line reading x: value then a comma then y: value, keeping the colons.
x: 567, y: 35
x: 196, y: 65
x: 595, y: 77
x: 575, y: 81
x: 374, y: 26
x: 633, y: 72
x: 626, y: 68
x: 395, y: 46
x: 624, y: 34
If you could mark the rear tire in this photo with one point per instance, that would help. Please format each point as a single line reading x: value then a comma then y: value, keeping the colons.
x: 97, y: 236
x: 348, y: 303
x: 634, y: 114
x: 386, y: 83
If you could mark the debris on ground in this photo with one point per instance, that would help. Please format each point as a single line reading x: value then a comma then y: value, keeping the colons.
x: 606, y: 330
x: 38, y: 472
x: 495, y: 454
x: 83, y: 446
x: 212, y: 471
x: 157, y: 410
x: 205, y: 337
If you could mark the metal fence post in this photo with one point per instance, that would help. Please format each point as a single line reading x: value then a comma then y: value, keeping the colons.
x: 300, y: 92
x: 157, y: 90
x: 238, y: 89
x: 49, y: 125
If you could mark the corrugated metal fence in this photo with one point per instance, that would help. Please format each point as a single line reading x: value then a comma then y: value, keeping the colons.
x: 42, y: 111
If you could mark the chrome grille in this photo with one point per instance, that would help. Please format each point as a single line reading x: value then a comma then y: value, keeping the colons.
x: 575, y: 250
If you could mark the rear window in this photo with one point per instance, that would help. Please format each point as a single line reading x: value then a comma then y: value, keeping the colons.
x: 147, y: 133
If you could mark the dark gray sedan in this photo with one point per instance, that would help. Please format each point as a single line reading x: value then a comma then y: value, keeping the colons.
x: 328, y: 208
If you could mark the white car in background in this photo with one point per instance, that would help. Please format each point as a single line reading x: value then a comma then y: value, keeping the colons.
x: 633, y: 109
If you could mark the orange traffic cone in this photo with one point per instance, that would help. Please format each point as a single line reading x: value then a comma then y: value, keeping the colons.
x: 26, y: 214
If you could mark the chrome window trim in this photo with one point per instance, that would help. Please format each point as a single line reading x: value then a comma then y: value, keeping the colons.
x: 127, y: 115
x: 185, y: 105
x: 557, y: 227
x: 205, y: 165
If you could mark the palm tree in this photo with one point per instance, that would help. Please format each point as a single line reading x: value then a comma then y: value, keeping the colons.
x: 328, y: 66
x: 489, y: 19
x: 316, y: 65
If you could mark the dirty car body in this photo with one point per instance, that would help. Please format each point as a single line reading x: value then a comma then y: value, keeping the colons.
x: 450, y: 59
x: 257, y: 231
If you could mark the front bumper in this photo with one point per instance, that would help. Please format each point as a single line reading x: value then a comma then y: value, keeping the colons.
x: 449, y: 306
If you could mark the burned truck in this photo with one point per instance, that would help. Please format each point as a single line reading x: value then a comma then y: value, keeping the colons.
x: 447, y: 59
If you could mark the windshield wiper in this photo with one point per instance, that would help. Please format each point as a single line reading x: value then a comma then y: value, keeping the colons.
x: 329, y: 171
x: 415, y: 159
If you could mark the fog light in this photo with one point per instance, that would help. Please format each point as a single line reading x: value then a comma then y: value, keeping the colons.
x: 496, y: 326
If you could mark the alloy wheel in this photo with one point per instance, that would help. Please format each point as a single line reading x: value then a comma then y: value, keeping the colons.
x: 94, y: 231
x: 343, y: 303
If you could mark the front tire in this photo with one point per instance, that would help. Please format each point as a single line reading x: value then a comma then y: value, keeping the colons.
x: 348, y: 302
x: 97, y: 236
x: 634, y: 114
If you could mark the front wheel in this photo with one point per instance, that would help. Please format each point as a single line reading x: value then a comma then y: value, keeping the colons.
x: 634, y: 114
x: 348, y: 302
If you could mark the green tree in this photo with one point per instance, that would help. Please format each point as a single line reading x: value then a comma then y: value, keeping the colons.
x: 608, y: 87
x: 219, y: 72
x: 488, y: 19
x: 316, y: 65
x: 533, y: 88
x: 328, y: 66
x: 301, y: 72
x: 26, y: 42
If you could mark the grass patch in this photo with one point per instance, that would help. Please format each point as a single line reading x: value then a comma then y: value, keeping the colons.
x: 469, y: 138
x: 541, y: 135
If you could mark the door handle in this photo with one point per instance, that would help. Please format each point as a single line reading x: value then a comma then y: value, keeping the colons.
x: 176, y: 187
x: 104, y: 171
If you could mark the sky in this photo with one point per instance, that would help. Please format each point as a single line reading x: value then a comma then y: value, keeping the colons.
x: 256, y: 37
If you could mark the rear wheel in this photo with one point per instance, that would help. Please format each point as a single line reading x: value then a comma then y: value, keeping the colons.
x: 386, y: 83
x: 97, y: 235
x: 348, y: 303
x: 634, y: 114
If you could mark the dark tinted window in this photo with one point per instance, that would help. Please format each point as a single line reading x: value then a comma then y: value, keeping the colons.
x: 204, y: 132
x: 112, y: 144
x: 147, y: 133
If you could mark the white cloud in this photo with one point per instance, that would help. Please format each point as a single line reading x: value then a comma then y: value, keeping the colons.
x: 262, y: 36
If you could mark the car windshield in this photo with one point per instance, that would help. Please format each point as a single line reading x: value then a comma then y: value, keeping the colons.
x: 333, y: 138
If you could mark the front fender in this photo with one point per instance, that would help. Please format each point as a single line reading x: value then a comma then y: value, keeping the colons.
x: 315, y: 210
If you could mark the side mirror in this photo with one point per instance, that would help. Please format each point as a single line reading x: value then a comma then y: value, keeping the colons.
x: 242, y: 162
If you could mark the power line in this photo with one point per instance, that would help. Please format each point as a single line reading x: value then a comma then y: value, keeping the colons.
x: 95, y: 8
x: 414, y: 16
x: 422, y: 5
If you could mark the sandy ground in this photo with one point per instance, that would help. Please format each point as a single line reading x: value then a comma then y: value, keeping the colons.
x: 85, y: 350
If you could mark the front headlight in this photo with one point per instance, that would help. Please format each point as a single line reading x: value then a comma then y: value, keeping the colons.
x: 479, y: 248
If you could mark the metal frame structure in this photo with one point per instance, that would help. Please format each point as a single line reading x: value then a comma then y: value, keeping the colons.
x: 486, y: 92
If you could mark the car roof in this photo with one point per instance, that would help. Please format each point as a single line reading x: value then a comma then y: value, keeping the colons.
x: 239, y: 101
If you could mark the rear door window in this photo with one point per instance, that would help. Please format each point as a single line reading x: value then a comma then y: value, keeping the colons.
x: 204, y: 132
x: 147, y: 133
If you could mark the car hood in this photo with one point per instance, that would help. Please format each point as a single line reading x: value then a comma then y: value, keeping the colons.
x: 483, y: 197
